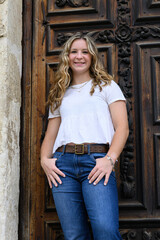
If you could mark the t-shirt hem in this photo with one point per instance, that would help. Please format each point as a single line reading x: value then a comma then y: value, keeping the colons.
x: 117, y: 99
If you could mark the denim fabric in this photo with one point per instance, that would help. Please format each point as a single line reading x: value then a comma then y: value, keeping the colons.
x: 76, y: 199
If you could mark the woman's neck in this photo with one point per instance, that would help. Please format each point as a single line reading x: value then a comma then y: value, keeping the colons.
x: 78, y: 79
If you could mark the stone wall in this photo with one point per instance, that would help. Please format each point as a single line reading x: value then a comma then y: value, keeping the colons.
x: 10, y: 102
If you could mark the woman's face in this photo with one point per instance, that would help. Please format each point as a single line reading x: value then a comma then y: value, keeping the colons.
x: 79, y: 57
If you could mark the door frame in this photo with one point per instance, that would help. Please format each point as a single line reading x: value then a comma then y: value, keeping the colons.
x: 25, y: 200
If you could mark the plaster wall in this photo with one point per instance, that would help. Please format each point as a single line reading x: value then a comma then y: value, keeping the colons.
x: 10, y: 102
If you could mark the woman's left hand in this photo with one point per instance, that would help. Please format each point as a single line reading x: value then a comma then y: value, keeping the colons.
x: 102, y: 169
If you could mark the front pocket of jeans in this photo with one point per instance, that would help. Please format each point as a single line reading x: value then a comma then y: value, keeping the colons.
x: 113, y: 174
x: 95, y: 156
x: 57, y: 155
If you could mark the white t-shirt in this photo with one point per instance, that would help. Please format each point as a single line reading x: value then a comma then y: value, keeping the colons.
x: 86, y: 118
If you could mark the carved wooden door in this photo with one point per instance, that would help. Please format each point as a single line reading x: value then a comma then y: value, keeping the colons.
x: 127, y: 33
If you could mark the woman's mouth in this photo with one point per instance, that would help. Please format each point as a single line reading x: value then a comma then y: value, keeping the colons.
x: 79, y: 63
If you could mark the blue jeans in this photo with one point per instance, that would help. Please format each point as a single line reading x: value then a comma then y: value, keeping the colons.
x: 76, y: 199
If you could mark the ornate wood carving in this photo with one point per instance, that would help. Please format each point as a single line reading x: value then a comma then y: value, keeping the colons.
x: 141, y: 33
x: 157, y: 235
x: 123, y: 37
x: 140, y: 234
x: 147, y: 235
x: 70, y: 9
x: 128, y: 235
x: 123, y: 11
x: 62, y: 38
x: 72, y: 3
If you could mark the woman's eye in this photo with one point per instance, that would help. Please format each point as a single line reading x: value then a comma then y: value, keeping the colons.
x: 73, y: 51
x: 85, y: 52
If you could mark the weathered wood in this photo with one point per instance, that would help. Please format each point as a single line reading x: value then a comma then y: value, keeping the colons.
x: 26, y: 115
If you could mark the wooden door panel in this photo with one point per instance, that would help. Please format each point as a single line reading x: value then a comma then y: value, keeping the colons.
x: 157, y: 169
x: 53, y: 230
x: 56, y: 38
x: 127, y: 35
x: 97, y: 11
x: 147, y: 71
x: 146, y: 12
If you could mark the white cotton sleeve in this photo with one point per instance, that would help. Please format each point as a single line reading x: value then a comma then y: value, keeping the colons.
x: 55, y: 114
x: 113, y: 93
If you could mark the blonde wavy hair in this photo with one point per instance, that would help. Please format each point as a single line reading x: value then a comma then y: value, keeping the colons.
x: 63, y: 76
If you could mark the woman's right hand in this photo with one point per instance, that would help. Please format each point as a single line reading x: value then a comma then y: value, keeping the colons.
x: 51, y: 171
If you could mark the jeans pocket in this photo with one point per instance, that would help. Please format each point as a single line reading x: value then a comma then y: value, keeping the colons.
x: 95, y: 156
x: 57, y: 155
x: 113, y: 174
x: 112, y: 178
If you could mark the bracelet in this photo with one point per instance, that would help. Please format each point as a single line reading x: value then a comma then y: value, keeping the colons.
x: 111, y: 160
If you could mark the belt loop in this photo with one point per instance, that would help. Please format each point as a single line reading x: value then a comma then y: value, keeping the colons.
x: 89, y: 150
x: 64, y: 148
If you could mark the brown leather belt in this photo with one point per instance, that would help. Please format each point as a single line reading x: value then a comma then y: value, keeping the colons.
x: 83, y: 148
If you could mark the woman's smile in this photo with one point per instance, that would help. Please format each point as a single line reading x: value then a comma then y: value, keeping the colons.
x: 79, y: 63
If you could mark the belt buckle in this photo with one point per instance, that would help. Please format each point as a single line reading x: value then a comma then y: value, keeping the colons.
x: 76, y: 146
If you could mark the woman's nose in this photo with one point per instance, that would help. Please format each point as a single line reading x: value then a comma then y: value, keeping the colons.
x: 79, y: 54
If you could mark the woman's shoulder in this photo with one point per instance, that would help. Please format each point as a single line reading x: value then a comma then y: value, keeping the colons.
x: 110, y: 86
x: 113, y: 92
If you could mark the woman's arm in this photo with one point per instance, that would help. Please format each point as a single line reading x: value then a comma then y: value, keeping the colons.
x: 47, y: 162
x: 120, y: 121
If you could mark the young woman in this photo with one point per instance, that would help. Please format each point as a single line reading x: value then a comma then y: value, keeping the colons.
x: 86, y: 133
